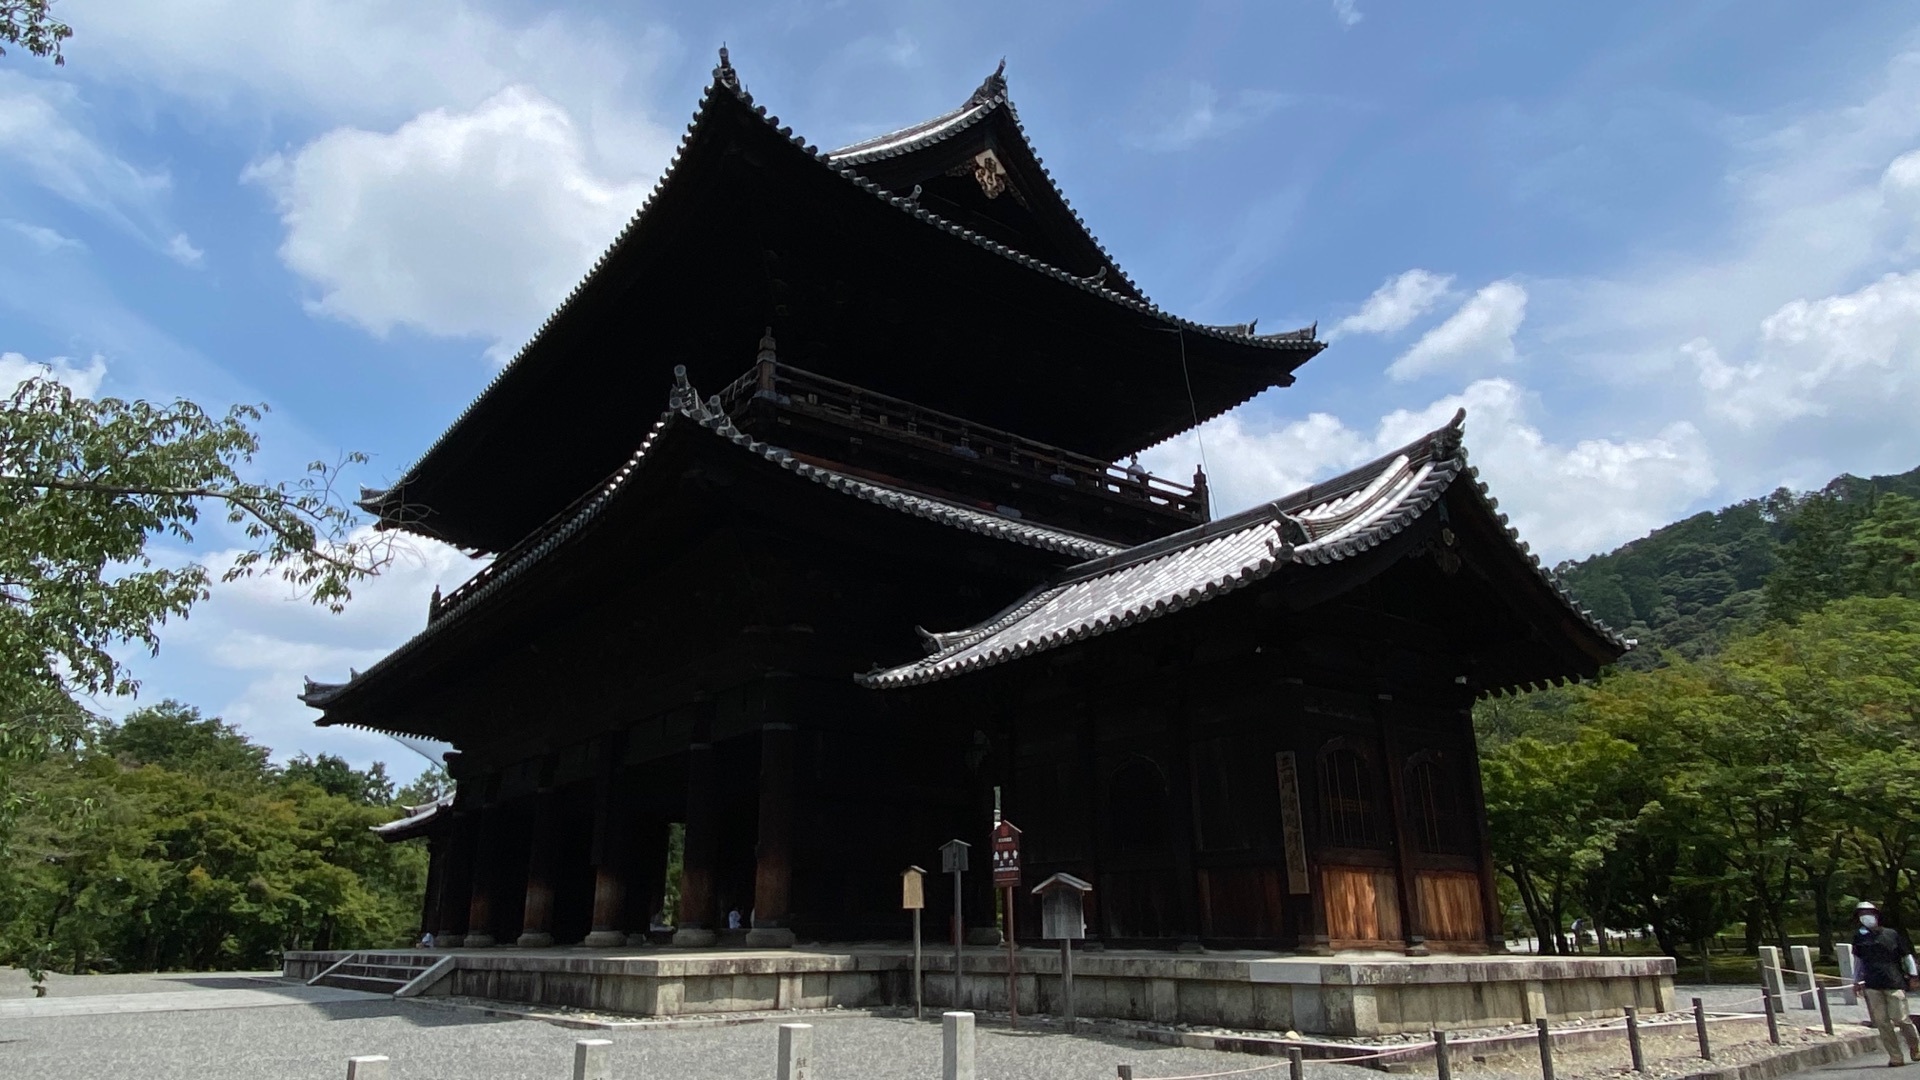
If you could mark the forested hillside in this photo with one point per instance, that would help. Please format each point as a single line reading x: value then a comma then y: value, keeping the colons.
x: 1689, y: 587
x: 1753, y: 765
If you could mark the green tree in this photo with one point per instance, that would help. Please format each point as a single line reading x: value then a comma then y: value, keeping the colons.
x: 1883, y: 553
x: 175, y: 736
x: 85, y: 484
x: 334, y: 776
x: 30, y: 25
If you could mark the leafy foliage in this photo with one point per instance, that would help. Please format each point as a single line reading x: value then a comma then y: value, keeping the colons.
x: 30, y: 25
x: 85, y: 485
x: 171, y: 842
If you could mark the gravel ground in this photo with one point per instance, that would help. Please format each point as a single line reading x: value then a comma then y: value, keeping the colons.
x: 296, y: 1042
x: 15, y: 984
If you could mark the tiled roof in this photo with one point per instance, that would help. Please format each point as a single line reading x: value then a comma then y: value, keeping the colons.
x: 1322, y: 524
x: 726, y: 82
x: 418, y: 817
x: 685, y: 408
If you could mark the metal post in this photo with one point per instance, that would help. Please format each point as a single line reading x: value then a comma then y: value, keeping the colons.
x: 959, y: 934
x: 1296, y: 1069
x: 1546, y: 1050
x: 1826, y: 1010
x: 917, y: 1005
x: 1700, y: 1029
x: 1773, y: 1022
x: 1066, y: 980
x: 1442, y: 1063
x: 796, y: 1052
x: 370, y: 1067
x: 592, y: 1059
x: 956, y: 1046
x: 1633, y: 1040
x: 1013, y: 973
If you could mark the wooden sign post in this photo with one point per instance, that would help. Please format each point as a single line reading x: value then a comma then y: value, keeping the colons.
x: 953, y: 860
x: 1063, y: 917
x: 1006, y: 875
x: 913, y: 897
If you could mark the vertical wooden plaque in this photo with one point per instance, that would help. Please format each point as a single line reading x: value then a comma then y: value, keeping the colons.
x: 1290, y: 826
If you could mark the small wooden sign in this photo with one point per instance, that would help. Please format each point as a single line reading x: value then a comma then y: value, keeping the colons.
x: 1063, y: 907
x: 953, y: 857
x: 1006, y: 855
x: 1292, y: 832
x: 913, y: 893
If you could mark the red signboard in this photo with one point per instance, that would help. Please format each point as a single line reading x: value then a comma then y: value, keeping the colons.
x: 1006, y: 855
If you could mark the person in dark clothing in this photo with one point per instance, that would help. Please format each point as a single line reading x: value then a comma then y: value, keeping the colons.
x: 1883, y: 969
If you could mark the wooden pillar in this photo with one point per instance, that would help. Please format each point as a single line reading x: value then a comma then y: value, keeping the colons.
x: 694, y: 929
x: 486, y: 854
x: 1186, y: 870
x: 542, y: 856
x: 612, y: 802
x: 773, y: 849
x: 1489, y: 887
x: 456, y: 884
x: 1391, y: 776
x: 438, y: 850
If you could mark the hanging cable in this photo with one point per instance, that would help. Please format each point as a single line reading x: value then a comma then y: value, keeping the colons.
x: 1192, y: 405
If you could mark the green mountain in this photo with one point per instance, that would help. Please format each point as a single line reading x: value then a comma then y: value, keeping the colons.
x: 1688, y: 587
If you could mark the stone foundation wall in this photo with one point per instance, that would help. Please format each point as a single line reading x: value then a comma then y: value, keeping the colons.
x: 1330, y: 996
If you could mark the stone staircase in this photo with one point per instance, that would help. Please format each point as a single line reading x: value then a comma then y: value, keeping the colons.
x: 402, y: 974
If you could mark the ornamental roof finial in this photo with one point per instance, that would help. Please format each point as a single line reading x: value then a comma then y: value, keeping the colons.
x: 993, y: 86
x: 724, y: 73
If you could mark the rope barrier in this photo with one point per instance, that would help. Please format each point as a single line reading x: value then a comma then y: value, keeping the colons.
x: 1407, y: 1049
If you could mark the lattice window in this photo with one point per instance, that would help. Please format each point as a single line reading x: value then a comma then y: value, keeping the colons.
x: 1349, y: 800
x: 1434, y: 802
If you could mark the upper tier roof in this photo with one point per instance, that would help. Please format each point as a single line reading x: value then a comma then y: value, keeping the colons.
x: 1339, y: 519
x: 977, y: 163
x: 750, y: 226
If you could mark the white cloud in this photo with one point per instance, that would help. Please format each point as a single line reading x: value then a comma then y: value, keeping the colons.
x: 42, y: 143
x: 1395, y: 304
x: 1482, y: 329
x: 181, y: 250
x: 1348, y: 12
x: 46, y: 240
x: 455, y: 223
x: 84, y: 381
x: 1181, y: 116
x: 1566, y: 500
x: 245, y: 651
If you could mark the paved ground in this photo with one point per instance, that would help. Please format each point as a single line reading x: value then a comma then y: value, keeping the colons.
x: 425, y: 1042
x: 14, y: 983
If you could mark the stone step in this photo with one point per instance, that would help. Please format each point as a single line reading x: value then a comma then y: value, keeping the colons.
x: 369, y: 983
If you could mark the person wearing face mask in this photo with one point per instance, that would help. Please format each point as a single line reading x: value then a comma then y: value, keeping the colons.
x: 1883, y: 968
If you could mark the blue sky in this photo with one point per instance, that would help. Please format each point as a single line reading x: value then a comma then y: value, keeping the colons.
x: 1667, y: 254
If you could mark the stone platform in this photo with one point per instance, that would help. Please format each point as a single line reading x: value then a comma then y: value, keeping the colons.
x: 1339, y: 995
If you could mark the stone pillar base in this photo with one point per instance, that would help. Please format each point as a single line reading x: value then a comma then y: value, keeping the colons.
x: 449, y: 941
x: 693, y: 938
x: 983, y: 935
x: 770, y: 937
x: 606, y: 939
x: 638, y: 939
x: 535, y: 939
x: 479, y: 941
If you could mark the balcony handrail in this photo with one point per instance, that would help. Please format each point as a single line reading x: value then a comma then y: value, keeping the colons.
x: 954, y: 433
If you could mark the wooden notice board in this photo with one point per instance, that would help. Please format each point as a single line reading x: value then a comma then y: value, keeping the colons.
x: 1291, y: 829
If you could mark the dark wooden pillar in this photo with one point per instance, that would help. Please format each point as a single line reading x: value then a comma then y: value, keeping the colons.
x: 773, y: 849
x: 438, y: 849
x: 484, y: 877
x: 543, y: 848
x: 456, y: 884
x: 1391, y: 775
x: 612, y: 824
x: 694, y: 929
x: 1489, y: 888
x: 1186, y: 868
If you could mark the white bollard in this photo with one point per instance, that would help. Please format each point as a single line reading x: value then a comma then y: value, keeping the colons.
x: 593, y: 1059
x: 370, y: 1067
x: 796, y: 1052
x: 1770, y: 976
x: 1843, y: 952
x: 1803, y: 974
x: 956, y: 1046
